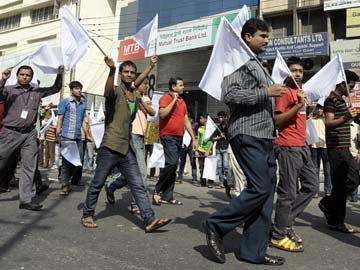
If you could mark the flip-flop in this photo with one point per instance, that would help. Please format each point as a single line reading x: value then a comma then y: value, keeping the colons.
x: 173, y: 202
x: 88, y: 222
x: 156, y: 224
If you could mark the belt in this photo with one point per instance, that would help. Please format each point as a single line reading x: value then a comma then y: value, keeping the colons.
x: 21, y: 130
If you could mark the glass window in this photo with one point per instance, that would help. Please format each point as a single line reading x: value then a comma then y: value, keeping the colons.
x: 42, y: 14
x: 10, y: 22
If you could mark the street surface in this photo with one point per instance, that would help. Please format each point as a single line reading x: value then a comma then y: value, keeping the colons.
x: 54, y: 238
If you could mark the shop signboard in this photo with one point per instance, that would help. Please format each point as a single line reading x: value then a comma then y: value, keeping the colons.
x: 129, y: 49
x: 349, y: 51
x: 340, y: 4
x: 307, y: 45
x: 353, y: 22
x: 185, y: 37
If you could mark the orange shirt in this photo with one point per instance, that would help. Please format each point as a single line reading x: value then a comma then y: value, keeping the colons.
x: 292, y: 133
x: 173, y: 124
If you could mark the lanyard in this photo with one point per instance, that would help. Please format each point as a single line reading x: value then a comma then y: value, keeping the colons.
x: 23, y: 98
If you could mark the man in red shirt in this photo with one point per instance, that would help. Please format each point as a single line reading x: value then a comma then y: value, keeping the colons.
x: 173, y: 119
x: 294, y: 162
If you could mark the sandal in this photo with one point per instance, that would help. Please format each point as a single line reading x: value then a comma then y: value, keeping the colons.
x: 286, y: 244
x: 156, y: 224
x: 88, y: 222
x: 293, y: 235
x: 173, y: 202
x: 65, y: 191
x: 156, y: 199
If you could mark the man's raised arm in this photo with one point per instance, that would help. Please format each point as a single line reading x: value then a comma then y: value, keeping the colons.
x: 109, y: 85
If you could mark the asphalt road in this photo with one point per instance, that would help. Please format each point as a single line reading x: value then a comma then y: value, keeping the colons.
x: 54, y: 239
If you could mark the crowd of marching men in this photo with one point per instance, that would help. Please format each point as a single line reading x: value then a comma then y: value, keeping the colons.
x: 270, y: 118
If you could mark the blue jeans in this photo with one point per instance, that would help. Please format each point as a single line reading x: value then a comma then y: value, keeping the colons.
x: 119, y: 181
x: 89, y: 156
x: 166, y: 183
x: 183, y: 152
x: 255, y: 203
x: 127, y: 164
x: 317, y: 155
x: 222, y: 164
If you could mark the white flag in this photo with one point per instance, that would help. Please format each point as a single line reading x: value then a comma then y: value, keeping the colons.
x: 97, y: 131
x: 73, y: 38
x: 324, y: 81
x: 70, y: 151
x: 148, y: 34
x: 92, y: 112
x: 229, y: 53
x: 157, y: 159
x: 45, y: 59
x: 280, y: 71
x: 186, y: 138
x: 210, y: 167
x: 311, y: 133
x: 209, y: 129
x: 100, y: 115
x: 240, y: 19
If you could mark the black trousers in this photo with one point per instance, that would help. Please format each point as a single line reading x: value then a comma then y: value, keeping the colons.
x: 344, y: 180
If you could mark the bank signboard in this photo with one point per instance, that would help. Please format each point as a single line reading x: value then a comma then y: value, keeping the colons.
x: 300, y: 45
x: 340, y: 4
x: 349, y: 51
x: 353, y: 22
x: 185, y: 37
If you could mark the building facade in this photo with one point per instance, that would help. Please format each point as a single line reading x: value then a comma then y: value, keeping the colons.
x: 25, y: 25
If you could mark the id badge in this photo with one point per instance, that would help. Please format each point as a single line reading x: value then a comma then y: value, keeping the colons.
x: 24, y: 114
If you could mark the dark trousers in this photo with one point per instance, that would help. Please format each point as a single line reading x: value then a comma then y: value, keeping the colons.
x: 166, y: 183
x: 183, y: 153
x: 148, y: 152
x: 107, y: 160
x: 71, y: 174
x: 295, y: 164
x: 317, y: 155
x: 255, y: 203
x: 344, y: 180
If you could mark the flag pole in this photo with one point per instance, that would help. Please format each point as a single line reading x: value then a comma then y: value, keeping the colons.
x: 22, y: 60
x: 97, y: 45
x: 344, y: 77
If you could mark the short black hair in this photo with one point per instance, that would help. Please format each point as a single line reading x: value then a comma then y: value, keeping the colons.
x: 173, y: 81
x: 74, y: 84
x: 294, y: 61
x: 204, y: 115
x: 351, y: 76
x: 127, y: 63
x: 253, y: 25
x: 221, y: 113
x: 25, y: 67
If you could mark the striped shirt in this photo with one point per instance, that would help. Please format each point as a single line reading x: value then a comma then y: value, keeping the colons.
x: 338, y: 137
x: 250, y: 106
x: 74, y: 114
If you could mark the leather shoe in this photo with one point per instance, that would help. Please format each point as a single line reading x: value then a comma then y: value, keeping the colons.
x: 109, y: 195
x: 214, y: 242
x: 30, y: 206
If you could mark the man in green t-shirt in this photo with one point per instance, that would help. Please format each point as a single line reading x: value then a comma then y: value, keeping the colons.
x: 203, y: 150
x: 116, y: 149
